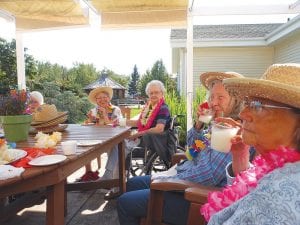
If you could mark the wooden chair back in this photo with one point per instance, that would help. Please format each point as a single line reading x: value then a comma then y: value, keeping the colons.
x: 195, y: 193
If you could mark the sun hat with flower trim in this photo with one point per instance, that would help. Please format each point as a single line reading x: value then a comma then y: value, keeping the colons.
x: 207, y: 78
x: 280, y: 83
x: 93, y: 94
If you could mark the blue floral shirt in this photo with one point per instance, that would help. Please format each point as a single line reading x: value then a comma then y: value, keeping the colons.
x: 208, y: 168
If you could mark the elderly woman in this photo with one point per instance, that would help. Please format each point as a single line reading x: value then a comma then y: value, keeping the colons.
x: 36, y: 99
x: 103, y: 113
x: 155, y: 116
x: 207, y: 167
x: 268, y: 191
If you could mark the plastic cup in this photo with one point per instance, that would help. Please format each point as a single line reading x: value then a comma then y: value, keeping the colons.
x: 69, y: 147
x: 206, y: 116
x: 221, y: 137
x: 122, y: 122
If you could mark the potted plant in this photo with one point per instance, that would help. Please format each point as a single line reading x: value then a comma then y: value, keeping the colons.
x: 13, y: 117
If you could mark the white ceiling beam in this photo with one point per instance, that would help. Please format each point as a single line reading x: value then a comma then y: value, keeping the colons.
x: 7, y: 16
x: 244, y: 10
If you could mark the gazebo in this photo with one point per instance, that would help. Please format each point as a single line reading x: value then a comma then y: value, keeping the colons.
x: 104, y: 80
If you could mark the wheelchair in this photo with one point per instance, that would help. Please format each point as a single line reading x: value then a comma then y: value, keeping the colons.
x: 148, y: 158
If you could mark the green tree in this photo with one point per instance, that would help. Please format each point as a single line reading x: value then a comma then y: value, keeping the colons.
x: 158, y: 72
x: 79, y: 76
x: 132, y: 87
x: 8, y: 64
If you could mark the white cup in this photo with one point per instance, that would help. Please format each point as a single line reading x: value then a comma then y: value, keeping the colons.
x: 122, y: 122
x: 221, y: 137
x: 69, y: 147
x: 206, y: 116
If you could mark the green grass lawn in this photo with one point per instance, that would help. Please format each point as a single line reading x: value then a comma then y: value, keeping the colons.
x: 135, y: 111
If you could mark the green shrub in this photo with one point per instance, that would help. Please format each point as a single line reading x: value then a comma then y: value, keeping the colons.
x: 177, y: 106
x: 200, y: 97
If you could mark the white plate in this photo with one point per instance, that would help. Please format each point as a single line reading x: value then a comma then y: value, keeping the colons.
x: 14, y: 155
x: 47, y: 160
x: 88, y: 142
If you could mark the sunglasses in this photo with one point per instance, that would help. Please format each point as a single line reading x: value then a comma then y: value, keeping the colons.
x: 258, y: 106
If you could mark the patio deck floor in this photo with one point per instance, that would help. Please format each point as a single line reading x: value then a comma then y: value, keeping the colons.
x: 84, y: 207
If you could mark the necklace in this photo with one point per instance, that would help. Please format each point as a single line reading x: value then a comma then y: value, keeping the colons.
x: 247, y: 180
x: 148, y: 115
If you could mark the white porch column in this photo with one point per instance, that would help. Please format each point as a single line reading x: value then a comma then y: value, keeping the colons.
x: 189, y: 70
x: 20, y: 60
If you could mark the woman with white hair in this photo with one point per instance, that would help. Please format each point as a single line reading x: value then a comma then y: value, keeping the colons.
x: 36, y: 100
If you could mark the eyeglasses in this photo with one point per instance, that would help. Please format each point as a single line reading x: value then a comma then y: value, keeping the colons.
x: 258, y: 106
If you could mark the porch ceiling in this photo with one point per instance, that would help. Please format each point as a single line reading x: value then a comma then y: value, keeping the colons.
x: 132, y: 13
x: 49, y: 14
x: 37, y: 14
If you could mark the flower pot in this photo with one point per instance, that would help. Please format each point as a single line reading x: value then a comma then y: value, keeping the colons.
x: 16, y: 128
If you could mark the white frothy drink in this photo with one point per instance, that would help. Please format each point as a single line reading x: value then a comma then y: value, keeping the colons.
x: 205, y: 118
x: 221, y: 137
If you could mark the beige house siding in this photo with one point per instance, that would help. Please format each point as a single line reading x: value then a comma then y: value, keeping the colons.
x: 250, y: 62
x: 287, y: 51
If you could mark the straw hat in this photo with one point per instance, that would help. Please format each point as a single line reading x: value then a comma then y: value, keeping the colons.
x: 48, y: 115
x: 208, y: 77
x: 50, y: 129
x: 280, y: 83
x: 93, y: 94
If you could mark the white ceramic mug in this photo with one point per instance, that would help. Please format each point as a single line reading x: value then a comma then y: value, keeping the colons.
x: 221, y: 137
x: 122, y: 122
x: 69, y: 147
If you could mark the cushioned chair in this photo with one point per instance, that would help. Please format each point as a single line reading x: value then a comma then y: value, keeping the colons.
x: 193, y: 192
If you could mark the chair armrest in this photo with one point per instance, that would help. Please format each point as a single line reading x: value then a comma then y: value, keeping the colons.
x: 173, y: 185
x: 176, y: 158
x: 199, y: 195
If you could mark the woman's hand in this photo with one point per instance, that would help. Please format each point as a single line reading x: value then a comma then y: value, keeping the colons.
x: 240, y: 155
x: 90, y: 116
x: 136, y: 135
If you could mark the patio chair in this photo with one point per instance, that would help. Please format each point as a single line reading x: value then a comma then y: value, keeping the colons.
x: 155, y: 151
x: 193, y: 192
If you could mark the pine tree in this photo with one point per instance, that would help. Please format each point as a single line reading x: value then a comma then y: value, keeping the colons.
x: 132, y: 87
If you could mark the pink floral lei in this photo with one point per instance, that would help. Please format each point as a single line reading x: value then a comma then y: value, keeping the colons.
x: 148, y: 115
x: 247, y: 180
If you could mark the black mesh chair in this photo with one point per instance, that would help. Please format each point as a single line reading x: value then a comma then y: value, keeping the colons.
x: 154, y: 152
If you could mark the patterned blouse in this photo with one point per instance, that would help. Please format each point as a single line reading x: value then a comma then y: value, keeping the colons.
x: 276, y: 200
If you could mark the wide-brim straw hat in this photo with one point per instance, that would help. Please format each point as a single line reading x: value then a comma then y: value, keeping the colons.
x: 93, y: 94
x: 50, y: 129
x: 48, y: 114
x: 54, y: 122
x: 280, y: 83
x: 207, y: 78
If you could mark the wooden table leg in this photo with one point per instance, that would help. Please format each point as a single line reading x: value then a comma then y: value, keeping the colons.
x: 122, y: 177
x: 55, y: 204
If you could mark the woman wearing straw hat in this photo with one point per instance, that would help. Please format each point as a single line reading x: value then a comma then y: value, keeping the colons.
x: 103, y: 113
x: 207, y: 167
x: 269, y: 191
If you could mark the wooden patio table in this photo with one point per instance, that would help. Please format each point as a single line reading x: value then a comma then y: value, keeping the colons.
x: 54, y: 177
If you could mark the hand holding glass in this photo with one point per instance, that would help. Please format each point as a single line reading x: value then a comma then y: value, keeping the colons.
x: 221, y: 137
x: 205, y: 116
